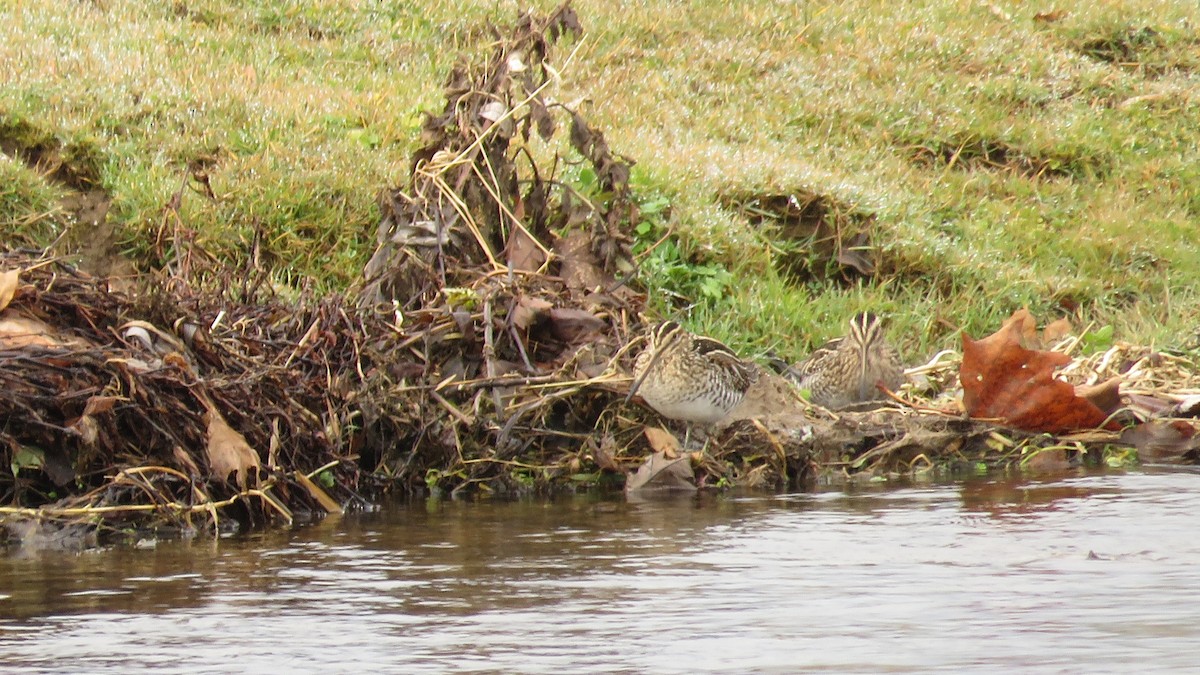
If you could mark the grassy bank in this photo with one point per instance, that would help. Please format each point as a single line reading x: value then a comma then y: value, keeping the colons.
x: 971, y: 157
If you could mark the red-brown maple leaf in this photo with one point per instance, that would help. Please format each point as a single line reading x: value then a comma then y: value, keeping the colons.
x: 1003, y: 380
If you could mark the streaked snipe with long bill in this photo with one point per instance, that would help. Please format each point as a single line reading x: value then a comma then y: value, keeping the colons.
x: 689, y: 377
x: 847, y: 370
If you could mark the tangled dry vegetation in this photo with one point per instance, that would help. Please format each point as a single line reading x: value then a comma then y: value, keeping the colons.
x: 165, y: 402
x: 487, y: 349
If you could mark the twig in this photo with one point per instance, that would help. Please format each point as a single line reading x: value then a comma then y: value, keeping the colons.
x: 915, y: 407
x: 308, y: 335
x: 455, y: 412
x: 489, y: 355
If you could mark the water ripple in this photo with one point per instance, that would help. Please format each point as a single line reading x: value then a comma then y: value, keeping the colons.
x: 1082, y: 573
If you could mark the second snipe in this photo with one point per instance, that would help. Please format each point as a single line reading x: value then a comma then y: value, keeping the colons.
x: 849, y: 369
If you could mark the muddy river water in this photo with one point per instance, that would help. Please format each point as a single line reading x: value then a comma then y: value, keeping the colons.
x: 1075, y: 573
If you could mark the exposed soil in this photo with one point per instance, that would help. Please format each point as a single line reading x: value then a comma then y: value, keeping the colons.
x: 1141, y: 49
x: 68, y: 166
x: 821, y: 237
x: 93, y: 237
x: 90, y: 235
x: 978, y: 154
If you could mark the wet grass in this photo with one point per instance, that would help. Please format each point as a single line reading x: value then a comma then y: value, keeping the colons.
x: 1001, y: 158
x: 30, y: 205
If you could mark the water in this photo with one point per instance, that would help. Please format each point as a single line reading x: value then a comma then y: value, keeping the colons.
x: 1074, y: 574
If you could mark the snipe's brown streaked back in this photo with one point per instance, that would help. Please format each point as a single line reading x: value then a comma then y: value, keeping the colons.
x: 846, y: 370
x: 689, y: 377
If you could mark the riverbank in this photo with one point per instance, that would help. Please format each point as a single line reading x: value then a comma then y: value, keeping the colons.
x: 486, y: 347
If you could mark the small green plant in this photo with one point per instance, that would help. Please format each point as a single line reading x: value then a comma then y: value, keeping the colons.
x: 666, y: 268
x: 1097, y: 340
x: 524, y: 478
x: 1118, y: 458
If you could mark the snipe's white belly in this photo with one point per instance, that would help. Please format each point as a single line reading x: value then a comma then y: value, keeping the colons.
x: 700, y: 407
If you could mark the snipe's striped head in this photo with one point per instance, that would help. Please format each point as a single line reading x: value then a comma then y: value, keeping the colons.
x: 659, y: 341
x: 866, y: 328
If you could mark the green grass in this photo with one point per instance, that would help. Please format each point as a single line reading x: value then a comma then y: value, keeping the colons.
x: 996, y: 160
x: 30, y: 206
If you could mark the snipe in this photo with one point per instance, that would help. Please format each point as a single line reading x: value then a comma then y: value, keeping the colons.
x: 846, y: 370
x: 689, y: 377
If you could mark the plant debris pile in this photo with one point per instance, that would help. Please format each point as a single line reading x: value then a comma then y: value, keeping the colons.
x: 477, y: 200
x: 171, y: 401
x: 503, y: 283
x: 485, y: 347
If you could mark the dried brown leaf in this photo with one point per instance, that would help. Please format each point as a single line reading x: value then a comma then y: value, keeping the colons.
x: 1146, y: 406
x: 604, y: 453
x: 227, y: 450
x: 542, y: 120
x: 87, y: 428
x: 184, y: 461
x: 565, y: 22
x: 1106, y: 396
x: 1162, y: 440
x: 580, y: 270
x: 1188, y: 406
x: 662, y: 441
x: 1056, y: 331
x: 17, y: 332
x: 575, y: 325
x: 57, y: 465
x: 101, y: 404
x: 9, y: 281
x: 529, y: 311
x: 663, y: 473
x: 1003, y: 380
x: 1028, y: 325
x: 523, y: 252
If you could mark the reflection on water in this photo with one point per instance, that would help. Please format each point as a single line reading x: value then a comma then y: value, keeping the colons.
x: 1076, y: 574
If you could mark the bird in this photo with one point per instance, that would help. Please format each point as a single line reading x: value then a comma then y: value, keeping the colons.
x: 688, y: 377
x: 847, y: 370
